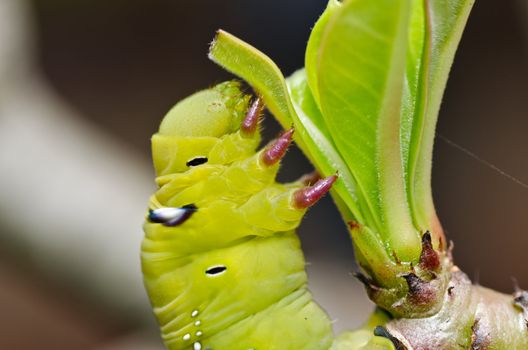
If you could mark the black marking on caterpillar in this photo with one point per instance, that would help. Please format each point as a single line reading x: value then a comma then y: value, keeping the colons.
x: 216, y: 270
x: 172, y: 216
x: 197, y: 161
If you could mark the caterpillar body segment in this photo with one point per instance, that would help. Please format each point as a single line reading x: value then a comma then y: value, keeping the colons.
x: 222, y: 264
x: 209, y: 150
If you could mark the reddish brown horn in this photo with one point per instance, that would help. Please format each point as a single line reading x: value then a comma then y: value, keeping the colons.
x: 277, y: 148
x: 251, y: 121
x: 308, y: 196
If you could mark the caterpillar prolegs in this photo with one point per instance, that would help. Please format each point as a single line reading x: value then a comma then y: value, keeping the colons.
x: 221, y: 261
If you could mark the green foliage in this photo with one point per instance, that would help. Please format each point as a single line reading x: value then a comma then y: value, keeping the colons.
x: 366, y: 106
x: 442, y: 23
x: 360, y: 65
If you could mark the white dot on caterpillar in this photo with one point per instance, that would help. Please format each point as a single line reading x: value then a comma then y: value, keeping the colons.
x: 197, y: 346
x: 197, y: 323
x: 199, y: 333
x: 194, y: 313
x: 186, y: 337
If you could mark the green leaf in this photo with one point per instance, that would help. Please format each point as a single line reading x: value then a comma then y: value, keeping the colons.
x: 411, y: 99
x: 444, y: 21
x: 312, y: 49
x: 360, y: 67
x: 328, y: 157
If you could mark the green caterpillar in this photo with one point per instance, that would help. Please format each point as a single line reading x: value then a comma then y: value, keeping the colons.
x: 222, y: 264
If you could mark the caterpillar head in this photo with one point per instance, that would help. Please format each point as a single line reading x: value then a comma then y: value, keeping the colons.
x: 212, y: 112
x: 209, y: 126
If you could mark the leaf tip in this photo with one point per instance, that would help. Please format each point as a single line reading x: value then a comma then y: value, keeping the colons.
x: 213, y: 46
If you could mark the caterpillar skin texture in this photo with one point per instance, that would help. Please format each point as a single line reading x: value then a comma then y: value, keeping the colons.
x: 222, y: 264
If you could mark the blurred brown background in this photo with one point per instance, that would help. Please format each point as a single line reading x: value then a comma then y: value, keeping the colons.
x: 111, y: 69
